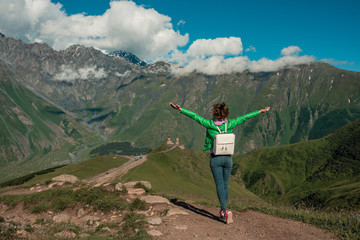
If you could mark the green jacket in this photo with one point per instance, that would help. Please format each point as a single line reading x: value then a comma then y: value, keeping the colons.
x: 211, y: 128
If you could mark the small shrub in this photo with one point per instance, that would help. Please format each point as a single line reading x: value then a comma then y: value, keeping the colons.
x: 133, y: 221
x: 134, y: 228
x: 137, y: 204
x: 61, y: 203
x: 40, y: 207
x: 29, y: 228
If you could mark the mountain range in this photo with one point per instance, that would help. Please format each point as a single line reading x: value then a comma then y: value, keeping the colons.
x: 57, y: 104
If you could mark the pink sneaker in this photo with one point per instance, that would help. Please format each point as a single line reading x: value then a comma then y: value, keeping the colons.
x: 228, y: 217
x: 222, y: 215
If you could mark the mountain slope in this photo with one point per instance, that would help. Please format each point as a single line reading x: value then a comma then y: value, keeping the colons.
x: 183, y: 174
x: 321, y: 173
x: 125, y: 102
x: 35, y: 134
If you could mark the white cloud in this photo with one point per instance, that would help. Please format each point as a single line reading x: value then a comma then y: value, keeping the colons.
x: 213, y: 66
x: 125, y: 26
x: 218, y: 64
x: 251, y: 49
x: 136, y: 29
x: 23, y: 19
x: 218, y: 46
x: 291, y: 50
x: 268, y: 65
x: 181, y: 22
x: 70, y: 75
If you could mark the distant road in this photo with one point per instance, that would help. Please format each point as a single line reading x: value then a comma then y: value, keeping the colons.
x: 119, y: 171
x: 111, y: 174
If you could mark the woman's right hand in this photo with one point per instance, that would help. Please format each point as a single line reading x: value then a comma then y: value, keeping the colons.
x: 175, y: 106
x: 264, y: 110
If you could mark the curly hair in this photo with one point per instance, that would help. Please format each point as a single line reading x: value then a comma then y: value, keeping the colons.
x: 220, y: 110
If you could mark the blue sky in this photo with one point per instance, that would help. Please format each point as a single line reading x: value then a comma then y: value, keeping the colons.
x: 315, y: 30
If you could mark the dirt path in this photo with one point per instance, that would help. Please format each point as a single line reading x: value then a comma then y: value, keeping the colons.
x: 201, y: 223
x: 115, y: 173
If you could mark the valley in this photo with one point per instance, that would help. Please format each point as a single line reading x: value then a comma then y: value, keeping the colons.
x: 85, y: 113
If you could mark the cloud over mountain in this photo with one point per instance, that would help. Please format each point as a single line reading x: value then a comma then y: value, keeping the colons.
x: 212, y: 58
x: 132, y: 28
x: 125, y: 26
x: 68, y: 74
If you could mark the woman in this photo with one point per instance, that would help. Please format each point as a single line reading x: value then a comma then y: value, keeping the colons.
x: 221, y: 165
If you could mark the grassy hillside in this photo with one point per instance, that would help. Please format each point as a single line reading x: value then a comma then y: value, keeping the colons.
x: 323, y: 173
x: 83, y: 170
x: 184, y: 174
x: 34, y: 134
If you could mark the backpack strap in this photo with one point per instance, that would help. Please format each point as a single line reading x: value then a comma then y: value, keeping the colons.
x: 225, y: 128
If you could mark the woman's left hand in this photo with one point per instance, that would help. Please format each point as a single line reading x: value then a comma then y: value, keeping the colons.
x: 176, y: 106
x: 264, y: 110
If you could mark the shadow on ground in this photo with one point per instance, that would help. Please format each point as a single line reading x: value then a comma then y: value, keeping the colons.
x: 196, y: 210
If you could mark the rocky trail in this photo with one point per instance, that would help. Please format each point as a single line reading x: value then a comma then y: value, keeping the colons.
x: 165, y: 220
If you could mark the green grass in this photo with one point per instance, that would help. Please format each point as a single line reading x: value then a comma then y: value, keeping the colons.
x: 322, y: 173
x: 185, y: 174
x: 63, y: 198
x: 84, y: 169
x: 182, y: 174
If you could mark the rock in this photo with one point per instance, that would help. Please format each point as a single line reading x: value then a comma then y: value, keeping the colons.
x: 181, y: 227
x: 51, y: 185
x: 80, y: 212
x: 61, y: 218
x: 132, y: 184
x: 136, y: 191
x: 155, y: 233
x: 119, y: 186
x: 154, y: 220
x: 154, y: 199
x: 66, y: 178
x: 176, y: 211
x: 65, y: 234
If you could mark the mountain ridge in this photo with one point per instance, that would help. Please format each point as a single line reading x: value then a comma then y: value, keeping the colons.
x: 128, y: 56
x: 120, y: 101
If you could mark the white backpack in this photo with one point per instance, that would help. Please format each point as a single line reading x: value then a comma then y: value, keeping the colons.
x: 224, y: 143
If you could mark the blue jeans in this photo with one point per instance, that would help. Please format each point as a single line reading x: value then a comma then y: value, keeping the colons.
x: 221, y: 167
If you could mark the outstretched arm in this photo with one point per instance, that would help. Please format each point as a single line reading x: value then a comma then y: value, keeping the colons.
x: 205, y: 122
x: 242, y: 119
